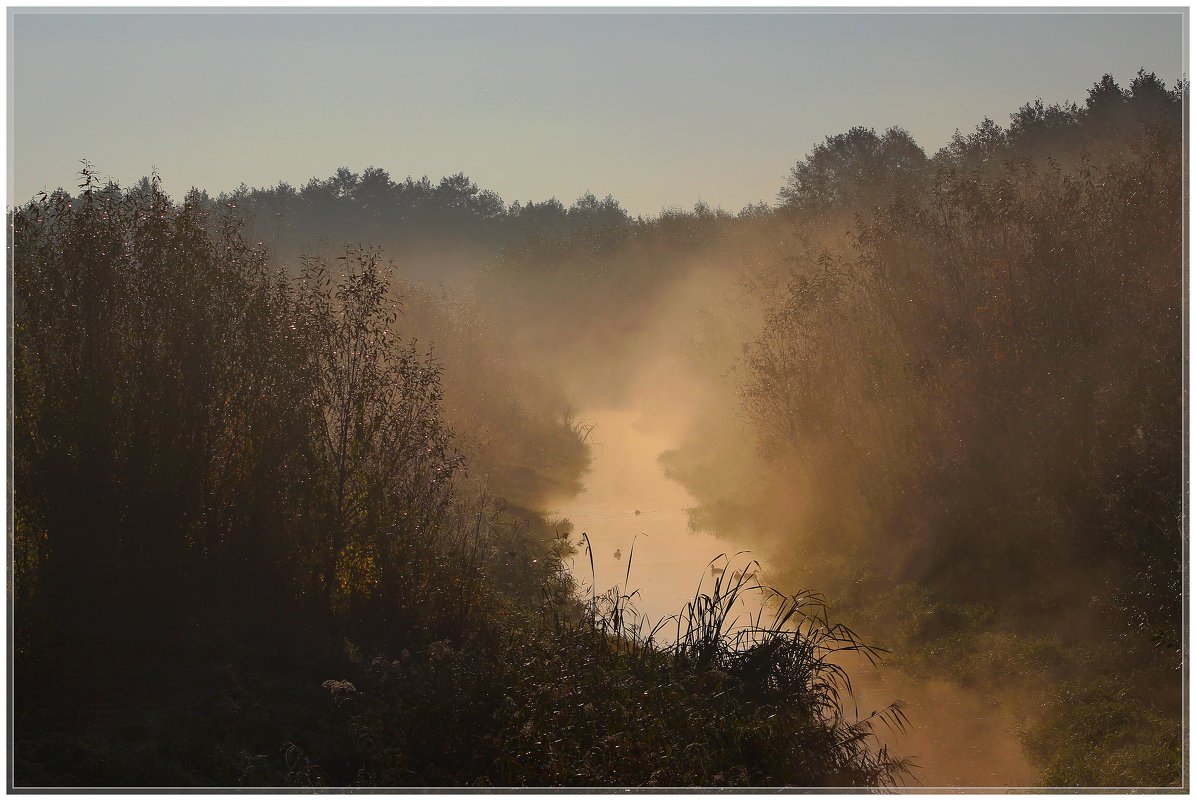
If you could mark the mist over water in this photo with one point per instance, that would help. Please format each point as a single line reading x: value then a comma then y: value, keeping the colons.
x: 933, y: 401
x: 955, y: 737
x: 637, y: 517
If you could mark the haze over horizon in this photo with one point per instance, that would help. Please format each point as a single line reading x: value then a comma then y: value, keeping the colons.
x: 329, y: 480
x: 659, y: 109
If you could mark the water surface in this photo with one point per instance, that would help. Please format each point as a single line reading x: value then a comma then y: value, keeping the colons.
x: 956, y: 738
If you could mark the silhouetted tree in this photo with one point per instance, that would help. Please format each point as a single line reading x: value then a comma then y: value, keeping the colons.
x: 854, y: 170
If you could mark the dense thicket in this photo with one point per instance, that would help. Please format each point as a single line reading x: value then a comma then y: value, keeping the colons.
x: 193, y: 425
x: 967, y: 392
x: 947, y: 390
x: 961, y: 376
x: 247, y: 551
x: 514, y: 424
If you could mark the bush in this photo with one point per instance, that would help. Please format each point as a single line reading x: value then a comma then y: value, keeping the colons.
x: 590, y: 699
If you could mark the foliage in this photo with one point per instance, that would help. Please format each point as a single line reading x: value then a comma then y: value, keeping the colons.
x: 232, y: 483
x: 856, y: 169
x: 979, y: 393
x: 962, y: 378
x: 592, y: 700
x: 194, y: 424
x: 512, y: 421
x: 438, y: 230
x: 1103, y: 734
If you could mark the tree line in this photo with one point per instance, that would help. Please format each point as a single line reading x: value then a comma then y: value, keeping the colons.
x: 250, y: 549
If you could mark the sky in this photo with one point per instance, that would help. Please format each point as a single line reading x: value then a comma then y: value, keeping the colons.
x: 660, y: 109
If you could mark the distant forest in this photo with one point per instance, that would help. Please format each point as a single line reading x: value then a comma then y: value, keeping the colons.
x: 283, y: 459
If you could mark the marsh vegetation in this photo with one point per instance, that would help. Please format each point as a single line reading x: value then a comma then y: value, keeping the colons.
x: 287, y: 463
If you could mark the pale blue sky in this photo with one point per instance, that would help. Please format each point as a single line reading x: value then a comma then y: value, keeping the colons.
x: 659, y: 109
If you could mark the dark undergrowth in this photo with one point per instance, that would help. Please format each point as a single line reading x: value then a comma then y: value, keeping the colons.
x: 247, y: 551
x: 587, y: 697
x: 966, y: 414
x: 569, y: 693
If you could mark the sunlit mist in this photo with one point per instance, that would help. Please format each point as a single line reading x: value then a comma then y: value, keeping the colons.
x: 598, y: 399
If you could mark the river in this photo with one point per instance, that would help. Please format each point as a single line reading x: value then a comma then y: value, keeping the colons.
x: 956, y: 738
x: 635, y: 517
